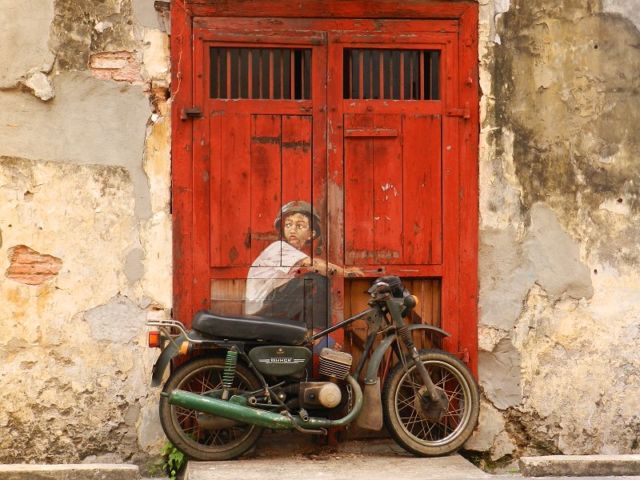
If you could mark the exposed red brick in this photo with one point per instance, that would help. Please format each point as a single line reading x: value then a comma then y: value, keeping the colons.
x: 31, y: 267
x: 119, y: 66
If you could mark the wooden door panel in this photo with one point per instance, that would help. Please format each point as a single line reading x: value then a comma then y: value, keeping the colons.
x: 359, y: 226
x: 422, y: 184
x: 387, y: 190
x: 258, y: 164
x: 266, y: 181
x: 230, y: 187
x: 227, y: 296
x: 428, y: 291
x: 393, y: 189
x: 296, y: 158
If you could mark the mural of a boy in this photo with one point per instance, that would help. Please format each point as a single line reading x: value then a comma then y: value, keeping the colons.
x: 277, y: 278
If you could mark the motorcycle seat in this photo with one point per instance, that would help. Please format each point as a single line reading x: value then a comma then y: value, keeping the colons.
x: 266, y: 329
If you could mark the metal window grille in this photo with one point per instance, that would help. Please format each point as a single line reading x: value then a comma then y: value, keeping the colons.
x: 391, y: 74
x: 260, y: 73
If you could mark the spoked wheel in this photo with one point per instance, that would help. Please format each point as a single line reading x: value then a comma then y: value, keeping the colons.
x: 202, y: 436
x: 413, y: 420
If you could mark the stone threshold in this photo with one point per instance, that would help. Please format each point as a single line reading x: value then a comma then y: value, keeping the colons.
x: 580, y: 465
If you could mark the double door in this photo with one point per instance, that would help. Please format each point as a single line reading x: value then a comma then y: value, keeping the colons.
x: 354, y: 125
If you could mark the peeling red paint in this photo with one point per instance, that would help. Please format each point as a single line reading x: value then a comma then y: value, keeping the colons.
x: 30, y: 267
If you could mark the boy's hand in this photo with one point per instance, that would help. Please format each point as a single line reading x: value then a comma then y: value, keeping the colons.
x: 353, y: 272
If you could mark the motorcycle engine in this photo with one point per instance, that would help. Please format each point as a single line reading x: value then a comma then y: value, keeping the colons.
x: 319, y: 394
x: 335, y: 365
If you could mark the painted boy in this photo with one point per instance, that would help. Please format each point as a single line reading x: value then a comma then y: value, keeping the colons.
x: 284, y: 280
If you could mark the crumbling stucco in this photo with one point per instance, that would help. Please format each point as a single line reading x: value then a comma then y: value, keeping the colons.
x: 545, y: 255
x: 627, y: 10
x: 84, y: 144
x: 25, y: 26
x: 559, y: 177
x: 83, y: 27
x: 70, y: 380
x: 117, y: 321
x: 145, y: 15
x: 89, y: 122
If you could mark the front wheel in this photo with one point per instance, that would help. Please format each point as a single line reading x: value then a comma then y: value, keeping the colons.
x: 408, y: 417
x: 190, y: 431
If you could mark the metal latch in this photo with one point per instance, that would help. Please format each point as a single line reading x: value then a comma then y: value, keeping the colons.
x: 193, y: 112
x: 460, y: 112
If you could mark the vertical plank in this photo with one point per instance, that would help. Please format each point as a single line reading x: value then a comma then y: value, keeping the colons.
x: 296, y: 158
x: 451, y: 200
x: 468, y: 84
x: 359, y: 228
x: 335, y: 199
x: 318, y: 140
x: 266, y: 181
x: 201, y: 185
x: 356, y: 301
x: 216, y: 197
x: 227, y: 296
x: 232, y: 226
x: 422, y: 210
x: 181, y: 162
x: 386, y: 165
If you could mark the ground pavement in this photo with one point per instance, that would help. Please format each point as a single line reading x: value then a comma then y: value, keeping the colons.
x: 296, y: 457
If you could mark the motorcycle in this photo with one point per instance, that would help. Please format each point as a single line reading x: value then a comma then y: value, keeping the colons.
x: 244, y: 374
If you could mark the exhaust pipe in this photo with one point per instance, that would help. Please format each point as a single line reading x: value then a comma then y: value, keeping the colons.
x: 235, y: 409
x: 213, y: 422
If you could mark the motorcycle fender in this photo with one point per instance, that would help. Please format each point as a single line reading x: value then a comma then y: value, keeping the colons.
x: 170, y: 351
x: 371, y: 416
x: 374, y: 362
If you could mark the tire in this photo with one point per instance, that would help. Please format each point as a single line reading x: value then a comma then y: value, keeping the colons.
x: 180, y: 425
x: 404, y: 414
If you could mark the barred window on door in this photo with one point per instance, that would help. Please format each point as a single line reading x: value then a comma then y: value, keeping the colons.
x: 370, y: 74
x: 260, y: 73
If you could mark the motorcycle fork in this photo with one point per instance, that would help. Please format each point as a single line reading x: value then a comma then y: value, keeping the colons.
x: 435, y: 394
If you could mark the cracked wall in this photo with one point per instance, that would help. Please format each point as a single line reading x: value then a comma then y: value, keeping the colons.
x: 85, y: 232
x: 559, y: 240
x: 85, y: 253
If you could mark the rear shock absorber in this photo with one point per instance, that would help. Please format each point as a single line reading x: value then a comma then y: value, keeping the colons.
x: 229, y: 373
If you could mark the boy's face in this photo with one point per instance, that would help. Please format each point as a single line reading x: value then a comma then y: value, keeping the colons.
x: 297, y: 230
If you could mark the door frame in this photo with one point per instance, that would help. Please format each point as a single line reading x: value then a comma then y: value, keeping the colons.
x: 460, y: 150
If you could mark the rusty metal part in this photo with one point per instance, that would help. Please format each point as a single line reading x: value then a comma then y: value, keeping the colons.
x: 212, y: 422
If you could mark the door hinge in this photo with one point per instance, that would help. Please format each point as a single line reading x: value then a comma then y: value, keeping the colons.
x: 460, y: 112
x: 190, y: 113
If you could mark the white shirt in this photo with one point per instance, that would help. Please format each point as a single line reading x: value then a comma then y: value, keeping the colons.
x: 270, y: 270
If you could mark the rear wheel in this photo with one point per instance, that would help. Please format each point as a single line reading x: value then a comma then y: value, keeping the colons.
x: 190, y: 431
x: 410, y: 418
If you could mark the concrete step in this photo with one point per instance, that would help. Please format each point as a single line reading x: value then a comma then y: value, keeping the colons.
x: 580, y: 465
x: 89, y: 471
x: 95, y: 471
x: 359, y: 460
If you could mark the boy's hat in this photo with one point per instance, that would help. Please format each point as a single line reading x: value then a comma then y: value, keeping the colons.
x: 299, y: 206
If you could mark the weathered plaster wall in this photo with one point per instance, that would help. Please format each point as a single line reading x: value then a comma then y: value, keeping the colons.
x: 560, y: 244
x: 85, y: 249
x: 85, y: 226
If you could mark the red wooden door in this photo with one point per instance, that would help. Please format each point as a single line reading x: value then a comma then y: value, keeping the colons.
x: 259, y: 151
x: 389, y: 96
x: 365, y: 121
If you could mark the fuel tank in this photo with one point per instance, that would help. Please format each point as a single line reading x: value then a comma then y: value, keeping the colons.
x: 280, y: 360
